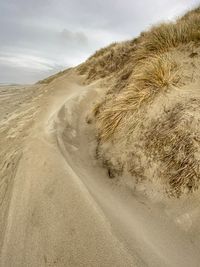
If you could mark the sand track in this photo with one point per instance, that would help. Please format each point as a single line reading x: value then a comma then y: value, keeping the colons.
x: 64, y: 211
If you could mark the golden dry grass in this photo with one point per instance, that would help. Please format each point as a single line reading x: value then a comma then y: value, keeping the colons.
x: 158, y: 39
x: 158, y: 73
x: 194, y: 11
x: 169, y: 35
x: 107, y: 61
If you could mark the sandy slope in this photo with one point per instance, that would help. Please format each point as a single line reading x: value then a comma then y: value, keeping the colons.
x: 63, y: 210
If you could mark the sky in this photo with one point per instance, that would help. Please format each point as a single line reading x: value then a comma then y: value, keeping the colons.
x: 41, y: 37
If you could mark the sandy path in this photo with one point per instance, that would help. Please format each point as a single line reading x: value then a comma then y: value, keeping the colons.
x: 64, y: 211
x: 142, y: 226
x: 52, y: 220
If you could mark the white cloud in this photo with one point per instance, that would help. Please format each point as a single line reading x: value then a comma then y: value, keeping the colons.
x: 26, y: 61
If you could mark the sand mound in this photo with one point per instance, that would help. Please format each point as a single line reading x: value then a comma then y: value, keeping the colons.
x: 147, y: 123
x: 134, y: 111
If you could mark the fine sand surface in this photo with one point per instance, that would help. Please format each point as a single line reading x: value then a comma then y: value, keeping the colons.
x: 58, y: 206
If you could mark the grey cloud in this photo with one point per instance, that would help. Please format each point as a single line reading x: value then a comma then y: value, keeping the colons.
x: 49, y: 35
x: 23, y: 75
x: 74, y: 38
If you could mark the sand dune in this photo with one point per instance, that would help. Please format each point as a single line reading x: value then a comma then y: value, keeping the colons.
x: 100, y: 164
x: 64, y: 211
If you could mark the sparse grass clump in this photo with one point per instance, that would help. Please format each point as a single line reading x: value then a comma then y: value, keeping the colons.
x: 173, y: 140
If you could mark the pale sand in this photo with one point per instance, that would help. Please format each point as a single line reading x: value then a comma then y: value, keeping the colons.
x: 58, y: 206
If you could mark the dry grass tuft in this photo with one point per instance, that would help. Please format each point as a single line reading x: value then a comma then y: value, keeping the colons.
x: 159, y: 74
x: 166, y: 36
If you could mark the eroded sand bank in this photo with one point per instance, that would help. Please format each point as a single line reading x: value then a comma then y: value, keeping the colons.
x: 59, y: 208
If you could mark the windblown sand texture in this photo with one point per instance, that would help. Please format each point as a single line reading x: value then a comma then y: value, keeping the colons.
x: 99, y: 164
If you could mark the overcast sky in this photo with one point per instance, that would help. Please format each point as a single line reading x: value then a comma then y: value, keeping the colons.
x: 41, y: 37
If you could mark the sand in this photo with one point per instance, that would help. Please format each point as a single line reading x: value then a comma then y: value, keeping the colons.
x: 58, y: 205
